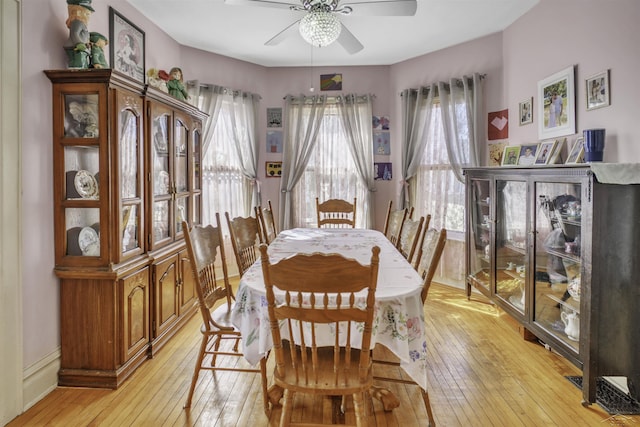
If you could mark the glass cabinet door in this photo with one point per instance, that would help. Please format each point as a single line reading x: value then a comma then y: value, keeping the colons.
x: 480, y: 229
x: 129, y: 145
x: 511, y: 242
x: 557, y: 260
x: 161, y: 178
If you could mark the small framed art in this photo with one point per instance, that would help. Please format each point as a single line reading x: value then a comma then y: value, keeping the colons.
x: 598, y: 91
x: 273, y: 169
x: 526, y: 112
x: 510, y: 155
x: 545, y: 152
x: 576, y: 155
x: 127, y: 46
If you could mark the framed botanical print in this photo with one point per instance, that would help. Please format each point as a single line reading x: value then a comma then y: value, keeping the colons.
x: 126, y: 46
x: 557, y: 105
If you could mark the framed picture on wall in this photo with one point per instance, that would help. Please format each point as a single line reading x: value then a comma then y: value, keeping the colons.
x: 526, y: 112
x: 557, y: 104
x: 126, y: 43
x: 598, y: 91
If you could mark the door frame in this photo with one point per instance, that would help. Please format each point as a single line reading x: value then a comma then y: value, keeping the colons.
x: 11, y: 324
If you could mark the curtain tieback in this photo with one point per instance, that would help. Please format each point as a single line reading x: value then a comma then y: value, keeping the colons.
x: 257, y: 183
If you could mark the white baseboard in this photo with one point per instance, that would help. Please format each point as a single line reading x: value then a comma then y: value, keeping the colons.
x: 40, y: 379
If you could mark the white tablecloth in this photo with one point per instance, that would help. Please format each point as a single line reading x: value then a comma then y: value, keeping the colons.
x: 399, y: 322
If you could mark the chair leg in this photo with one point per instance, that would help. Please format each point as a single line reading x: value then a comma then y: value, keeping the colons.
x: 287, y: 409
x: 216, y: 348
x: 265, y: 391
x: 196, y: 371
x: 427, y: 405
x: 360, y: 410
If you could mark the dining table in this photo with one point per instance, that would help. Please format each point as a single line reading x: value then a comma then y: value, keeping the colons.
x: 399, y: 310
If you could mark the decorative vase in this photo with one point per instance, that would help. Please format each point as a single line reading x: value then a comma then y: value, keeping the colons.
x: 593, y: 144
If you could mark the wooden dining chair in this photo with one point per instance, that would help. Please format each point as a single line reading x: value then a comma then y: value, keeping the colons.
x: 430, y: 251
x: 410, y: 235
x: 310, y: 291
x: 205, y: 246
x: 394, y: 222
x: 336, y: 213
x: 245, y: 239
x: 267, y: 223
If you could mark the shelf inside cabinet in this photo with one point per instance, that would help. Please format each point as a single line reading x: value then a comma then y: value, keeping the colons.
x: 511, y: 246
x: 564, y: 303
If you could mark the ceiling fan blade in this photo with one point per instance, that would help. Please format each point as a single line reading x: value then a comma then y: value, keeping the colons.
x: 286, y: 33
x: 262, y: 3
x: 348, y: 41
x: 382, y: 8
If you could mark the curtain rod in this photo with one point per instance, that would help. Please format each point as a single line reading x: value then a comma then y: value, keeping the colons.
x: 426, y: 88
x: 330, y: 98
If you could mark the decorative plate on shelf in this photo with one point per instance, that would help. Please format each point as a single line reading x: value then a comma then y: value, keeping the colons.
x: 89, y: 242
x: 86, y: 185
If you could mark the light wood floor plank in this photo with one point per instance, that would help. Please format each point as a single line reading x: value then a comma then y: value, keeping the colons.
x: 481, y: 373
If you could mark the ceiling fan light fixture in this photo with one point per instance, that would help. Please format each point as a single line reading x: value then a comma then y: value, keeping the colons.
x: 320, y: 28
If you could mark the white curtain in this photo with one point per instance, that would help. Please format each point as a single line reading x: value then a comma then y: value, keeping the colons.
x: 416, y: 116
x: 302, y: 118
x: 460, y: 101
x: 356, y: 113
x: 230, y: 149
x: 443, y: 124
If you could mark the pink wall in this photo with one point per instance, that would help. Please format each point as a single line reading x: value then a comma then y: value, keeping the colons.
x: 592, y: 34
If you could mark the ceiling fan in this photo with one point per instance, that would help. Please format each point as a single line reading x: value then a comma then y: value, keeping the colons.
x: 320, y: 25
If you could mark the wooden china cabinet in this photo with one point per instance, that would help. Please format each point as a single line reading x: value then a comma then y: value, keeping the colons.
x: 125, y: 284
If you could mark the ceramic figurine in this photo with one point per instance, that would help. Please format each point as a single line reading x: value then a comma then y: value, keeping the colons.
x: 98, y: 42
x: 176, y: 86
x: 77, y: 45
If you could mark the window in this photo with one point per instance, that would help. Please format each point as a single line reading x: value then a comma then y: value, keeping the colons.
x: 223, y: 183
x: 440, y: 193
x: 330, y: 174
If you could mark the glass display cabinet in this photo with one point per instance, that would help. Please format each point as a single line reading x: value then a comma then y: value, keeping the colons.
x: 555, y: 248
x: 110, y: 219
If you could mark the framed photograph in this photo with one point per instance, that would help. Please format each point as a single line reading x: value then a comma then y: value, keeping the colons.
x: 527, y: 154
x: 545, y: 152
x: 126, y: 43
x: 598, y: 91
x: 526, y: 112
x: 273, y: 169
x: 557, y: 105
x: 576, y: 154
x: 510, y: 155
x: 556, y: 156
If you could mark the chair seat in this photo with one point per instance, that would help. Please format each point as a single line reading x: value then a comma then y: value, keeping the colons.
x: 222, y: 317
x: 323, y: 379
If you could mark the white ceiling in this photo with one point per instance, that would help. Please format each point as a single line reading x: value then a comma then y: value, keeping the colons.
x: 241, y: 31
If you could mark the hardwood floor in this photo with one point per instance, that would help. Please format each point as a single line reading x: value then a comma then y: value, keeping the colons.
x: 481, y: 373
